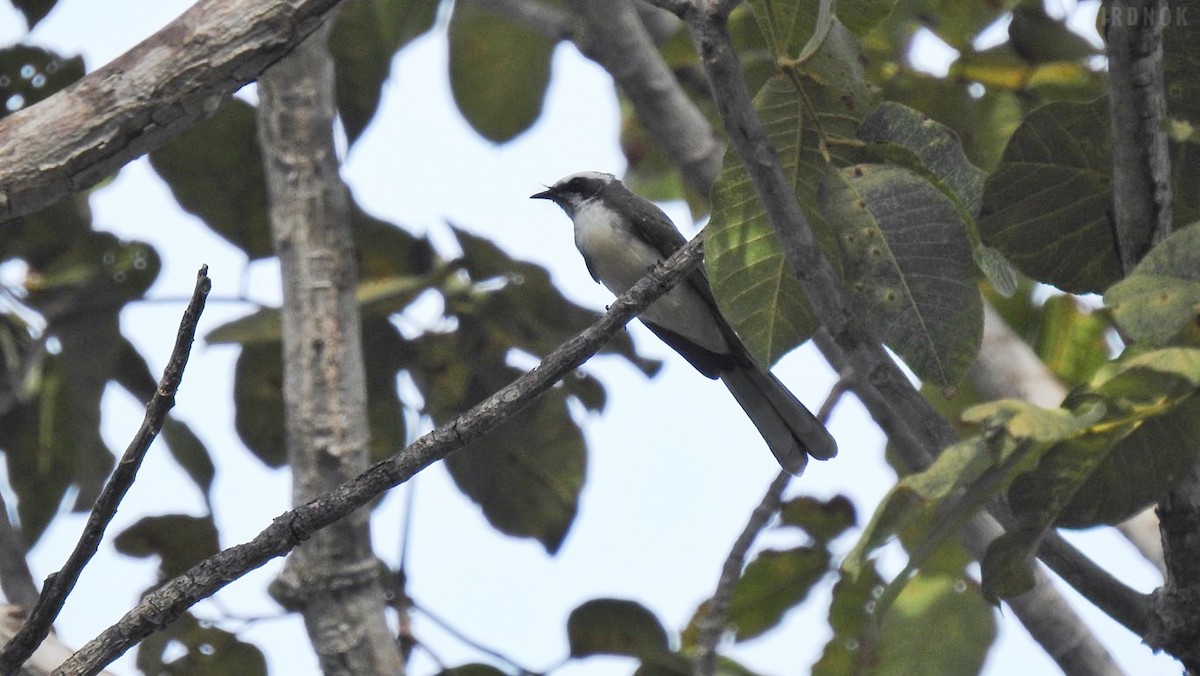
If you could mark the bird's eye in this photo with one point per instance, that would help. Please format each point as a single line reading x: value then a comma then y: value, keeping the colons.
x: 575, y: 184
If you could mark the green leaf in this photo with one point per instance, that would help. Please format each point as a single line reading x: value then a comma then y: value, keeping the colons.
x: 46, y: 234
x: 1038, y: 38
x: 261, y: 326
x: 851, y: 650
x: 1022, y: 420
x: 773, y: 583
x: 190, y: 454
x: 215, y: 171
x: 927, y: 146
x: 386, y: 251
x: 676, y: 664
x: 908, y: 261
x: 1001, y: 274
x: 1045, y: 207
x: 258, y: 402
x: 1122, y: 479
x: 823, y: 520
x: 90, y: 348
x: 499, y: 70
x: 919, y: 495
x: 948, y: 608
x: 386, y: 353
x: 95, y: 273
x: 1072, y: 341
x: 788, y: 25
x: 1007, y: 566
x: 39, y: 448
x: 860, y: 16
x: 957, y: 23
x: 757, y: 292
x: 365, y: 36
x: 34, y: 10
x: 31, y: 74
x: 1112, y: 467
x: 526, y: 474
x: 983, y: 123
x: 616, y: 627
x: 179, y: 541
x: 1128, y: 459
x: 1181, y: 62
x: 1159, y: 303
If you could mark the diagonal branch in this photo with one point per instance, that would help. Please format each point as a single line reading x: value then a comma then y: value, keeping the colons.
x: 145, y: 97
x: 174, y: 597
x: 59, y: 585
x: 712, y: 619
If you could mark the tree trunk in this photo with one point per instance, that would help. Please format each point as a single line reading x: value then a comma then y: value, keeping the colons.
x: 334, y: 578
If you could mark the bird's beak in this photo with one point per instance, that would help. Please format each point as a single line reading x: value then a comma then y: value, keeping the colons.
x: 544, y: 195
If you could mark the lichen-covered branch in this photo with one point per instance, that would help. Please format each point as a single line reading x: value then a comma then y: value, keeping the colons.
x: 145, y: 97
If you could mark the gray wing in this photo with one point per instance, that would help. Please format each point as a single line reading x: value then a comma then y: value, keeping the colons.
x: 656, y: 228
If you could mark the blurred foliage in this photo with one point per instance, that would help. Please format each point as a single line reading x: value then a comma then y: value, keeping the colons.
x: 191, y: 646
x: 931, y: 192
x: 30, y: 74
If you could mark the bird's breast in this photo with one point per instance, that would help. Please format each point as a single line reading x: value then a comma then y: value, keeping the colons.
x: 619, y: 258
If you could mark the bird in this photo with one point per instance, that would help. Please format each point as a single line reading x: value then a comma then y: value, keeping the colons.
x: 622, y: 236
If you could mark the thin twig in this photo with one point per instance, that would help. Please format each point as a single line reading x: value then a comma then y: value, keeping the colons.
x: 472, y: 643
x: 174, y: 597
x: 59, y: 585
x: 712, y: 621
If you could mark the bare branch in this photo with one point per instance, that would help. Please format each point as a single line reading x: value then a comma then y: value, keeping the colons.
x: 712, y: 619
x: 145, y: 97
x: 173, y: 598
x: 59, y: 585
x: 1174, y: 627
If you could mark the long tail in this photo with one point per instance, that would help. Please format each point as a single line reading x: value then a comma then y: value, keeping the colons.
x: 791, y: 431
